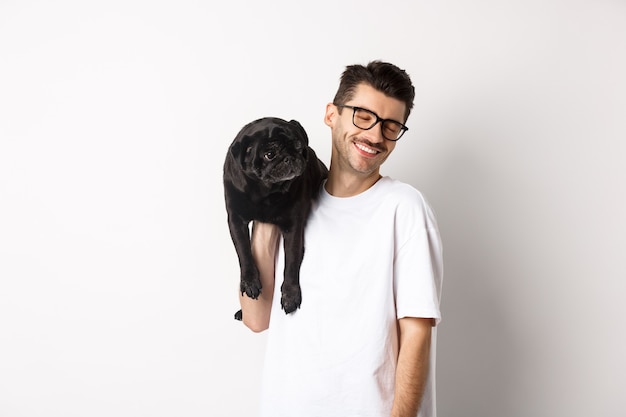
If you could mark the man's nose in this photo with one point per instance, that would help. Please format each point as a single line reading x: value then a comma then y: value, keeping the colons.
x: 376, y: 133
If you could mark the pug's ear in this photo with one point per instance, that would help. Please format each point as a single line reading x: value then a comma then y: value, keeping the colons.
x: 240, y: 148
x: 297, y: 127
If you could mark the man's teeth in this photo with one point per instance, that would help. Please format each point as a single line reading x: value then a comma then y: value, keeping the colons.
x: 366, y: 149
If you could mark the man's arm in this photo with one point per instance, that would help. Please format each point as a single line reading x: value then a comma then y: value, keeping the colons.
x: 412, y: 368
x: 256, y: 313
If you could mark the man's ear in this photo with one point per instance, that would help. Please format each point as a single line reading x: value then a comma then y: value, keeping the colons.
x: 297, y: 127
x: 331, y: 115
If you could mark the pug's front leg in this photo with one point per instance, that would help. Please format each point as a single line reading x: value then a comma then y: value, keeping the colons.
x: 291, y: 298
x: 250, y: 282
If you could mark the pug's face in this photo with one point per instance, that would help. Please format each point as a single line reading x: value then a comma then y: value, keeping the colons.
x: 272, y: 150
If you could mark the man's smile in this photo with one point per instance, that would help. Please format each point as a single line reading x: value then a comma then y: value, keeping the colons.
x: 366, y: 150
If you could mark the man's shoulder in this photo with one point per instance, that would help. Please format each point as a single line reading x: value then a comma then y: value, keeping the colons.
x: 402, y: 191
x: 409, y: 203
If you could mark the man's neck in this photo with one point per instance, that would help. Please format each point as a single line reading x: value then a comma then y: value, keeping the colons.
x: 349, y: 185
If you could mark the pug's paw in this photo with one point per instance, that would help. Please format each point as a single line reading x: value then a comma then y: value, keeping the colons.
x: 251, y: 287
x: 291, y: 298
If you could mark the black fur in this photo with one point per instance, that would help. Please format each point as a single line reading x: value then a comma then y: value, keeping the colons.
x: 273, y: 176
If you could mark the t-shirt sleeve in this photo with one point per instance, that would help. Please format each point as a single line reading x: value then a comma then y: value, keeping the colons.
x: 418, y: 266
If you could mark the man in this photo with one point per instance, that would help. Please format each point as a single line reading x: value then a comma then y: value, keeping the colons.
x: 362, y: 343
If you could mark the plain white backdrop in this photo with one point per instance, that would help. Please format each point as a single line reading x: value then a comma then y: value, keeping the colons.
x: 118, y: 280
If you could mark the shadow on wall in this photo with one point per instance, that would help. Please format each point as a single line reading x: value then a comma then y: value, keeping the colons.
x: 478, y: 356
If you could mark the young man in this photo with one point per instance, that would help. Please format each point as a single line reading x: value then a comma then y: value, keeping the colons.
x: 362, y: 343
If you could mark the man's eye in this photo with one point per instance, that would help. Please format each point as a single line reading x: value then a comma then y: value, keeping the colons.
x: 392, y: 128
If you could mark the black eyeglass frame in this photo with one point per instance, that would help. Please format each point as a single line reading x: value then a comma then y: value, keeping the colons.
x: 382, y: 121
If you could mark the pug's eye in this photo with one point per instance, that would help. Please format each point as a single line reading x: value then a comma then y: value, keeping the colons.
x: 269, y: 155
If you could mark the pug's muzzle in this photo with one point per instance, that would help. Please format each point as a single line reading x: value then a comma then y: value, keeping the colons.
x: 285, y: 168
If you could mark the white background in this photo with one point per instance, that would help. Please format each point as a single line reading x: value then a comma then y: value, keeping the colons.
x: 118, y: 279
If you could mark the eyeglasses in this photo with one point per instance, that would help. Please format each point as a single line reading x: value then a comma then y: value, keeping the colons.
x: 367, y: 119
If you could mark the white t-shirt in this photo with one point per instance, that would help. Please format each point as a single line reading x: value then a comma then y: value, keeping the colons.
x: 369, y: 260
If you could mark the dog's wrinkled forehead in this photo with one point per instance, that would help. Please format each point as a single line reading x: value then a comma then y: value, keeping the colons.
x: 278, y: 138
x: 278, y: 130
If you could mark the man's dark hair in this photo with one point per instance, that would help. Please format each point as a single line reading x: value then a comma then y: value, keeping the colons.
x: 383, y: 76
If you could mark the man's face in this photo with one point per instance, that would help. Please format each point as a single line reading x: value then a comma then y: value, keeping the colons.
x: 356, y: 150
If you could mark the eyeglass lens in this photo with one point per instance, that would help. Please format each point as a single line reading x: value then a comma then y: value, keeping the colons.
x: 364, y: 119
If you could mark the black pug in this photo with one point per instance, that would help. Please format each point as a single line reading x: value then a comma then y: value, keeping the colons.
x: 273, y: 176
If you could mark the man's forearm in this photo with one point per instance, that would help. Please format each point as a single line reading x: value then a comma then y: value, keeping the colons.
x: 412, y: 367
x: 256, y: 313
